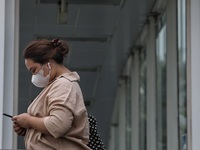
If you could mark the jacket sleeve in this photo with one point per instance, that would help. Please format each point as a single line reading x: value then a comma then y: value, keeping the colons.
x: 60, y: 107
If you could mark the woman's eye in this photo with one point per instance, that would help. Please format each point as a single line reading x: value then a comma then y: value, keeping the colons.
x: 33, y: 70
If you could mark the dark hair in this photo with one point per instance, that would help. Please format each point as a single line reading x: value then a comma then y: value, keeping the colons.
x: 43, y: 50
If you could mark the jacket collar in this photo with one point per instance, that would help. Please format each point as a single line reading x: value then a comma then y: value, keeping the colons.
x: 72, y: 76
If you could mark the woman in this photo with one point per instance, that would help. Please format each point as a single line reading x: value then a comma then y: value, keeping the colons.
x: 57, y: 118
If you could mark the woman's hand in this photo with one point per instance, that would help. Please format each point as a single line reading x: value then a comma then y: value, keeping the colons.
x: 26, y: 121
x: 22, y: 120
x: 18, y: 129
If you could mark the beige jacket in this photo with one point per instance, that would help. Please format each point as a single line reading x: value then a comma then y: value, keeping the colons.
x: 65, y: 116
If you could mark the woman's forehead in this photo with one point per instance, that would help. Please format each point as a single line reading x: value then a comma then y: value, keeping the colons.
x: 30, y: 63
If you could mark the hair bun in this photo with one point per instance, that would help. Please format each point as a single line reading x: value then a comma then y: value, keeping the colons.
x: 63, y: 48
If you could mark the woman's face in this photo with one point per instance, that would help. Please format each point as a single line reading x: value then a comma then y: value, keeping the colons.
x: 34, y: 67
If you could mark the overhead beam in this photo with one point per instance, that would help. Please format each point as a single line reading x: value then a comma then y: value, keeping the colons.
x: 88, y: 2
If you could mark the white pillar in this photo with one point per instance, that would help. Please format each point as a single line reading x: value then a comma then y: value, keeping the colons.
x: 9, y: 29
x: 172, y: 89
x: 2, y: 47
x: 193, y: 73
x: 135, y: 101
x: 151, y: 86
x: 122, y: 118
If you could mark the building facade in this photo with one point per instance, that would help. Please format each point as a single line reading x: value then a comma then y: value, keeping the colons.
x: 157, y: 101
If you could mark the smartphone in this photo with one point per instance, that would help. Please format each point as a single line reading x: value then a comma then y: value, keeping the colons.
x: 7, y: 115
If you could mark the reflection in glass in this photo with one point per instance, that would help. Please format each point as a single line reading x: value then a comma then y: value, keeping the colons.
x: 142, y: 101
x: 182, y: 75
x: 161, y: 119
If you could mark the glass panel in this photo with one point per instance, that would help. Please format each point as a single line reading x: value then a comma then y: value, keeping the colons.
x: 142, y: 101
x: 161, y: 118
x: 182, y: 74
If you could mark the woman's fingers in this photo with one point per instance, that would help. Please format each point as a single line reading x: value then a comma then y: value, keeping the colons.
x: 23, y: 132
x: 18, y: 129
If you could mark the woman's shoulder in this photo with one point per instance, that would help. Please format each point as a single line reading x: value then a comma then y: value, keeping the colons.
x: 66, y: 80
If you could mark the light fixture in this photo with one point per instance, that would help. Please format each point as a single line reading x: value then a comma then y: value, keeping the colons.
x: 62, y: 11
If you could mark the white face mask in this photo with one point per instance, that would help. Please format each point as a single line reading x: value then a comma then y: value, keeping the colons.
x: 39, y: 80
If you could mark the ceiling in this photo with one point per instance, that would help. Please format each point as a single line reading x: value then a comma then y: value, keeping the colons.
x: 100, y: 34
